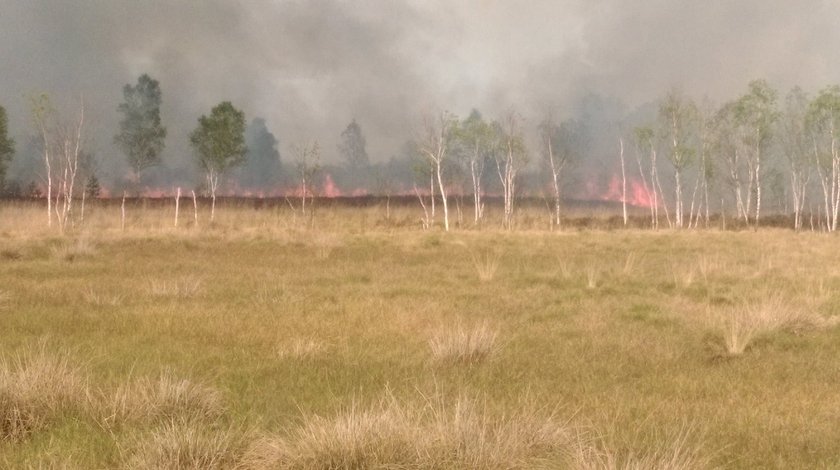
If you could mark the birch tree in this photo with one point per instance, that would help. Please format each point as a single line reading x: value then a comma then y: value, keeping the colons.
x: 477, y: 141
x: 560, y: 145
x: 62, y: 145
x: 511, y: 157
x: 645, y: 141
x: 307, y: 159
x: 678, y: 116
x: 42, y: 112
x: 756, y: 114
x: 727, y: 145
x: 823, y: 124
x: 795, y: 145
x: 435, y: 145
x: 219, y: 145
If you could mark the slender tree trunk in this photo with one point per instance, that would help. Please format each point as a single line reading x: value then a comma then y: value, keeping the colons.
x: 623, y: 182
x: 122, y: 213
x: 177, y: 204
x: 195, y: 208
x: 442, y: 196
x: 678, y: 210
x: 82, y: 211
x: 662, y: 198
x: 432, y: 189
x: 426, y: 220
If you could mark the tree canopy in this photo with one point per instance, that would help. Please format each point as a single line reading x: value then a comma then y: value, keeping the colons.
x: 352, y: 146
x: 219, y: 139
x: 7, y: 146
x: 141, y: 136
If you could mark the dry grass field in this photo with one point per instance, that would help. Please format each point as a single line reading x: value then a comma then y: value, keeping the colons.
x: 269, y: 340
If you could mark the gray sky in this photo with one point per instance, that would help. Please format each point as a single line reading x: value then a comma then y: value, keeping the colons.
x: 309, y: 67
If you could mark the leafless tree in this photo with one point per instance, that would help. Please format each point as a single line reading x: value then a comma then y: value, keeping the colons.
x: 434, y: 144
x: 62, y: 146
x: 560, y: 144
x: 307, y: 158
x: 510, y: 159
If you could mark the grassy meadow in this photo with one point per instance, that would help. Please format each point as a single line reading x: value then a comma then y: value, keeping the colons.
x: 344, y: 340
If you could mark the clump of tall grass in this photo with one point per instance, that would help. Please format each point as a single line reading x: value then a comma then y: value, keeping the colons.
x: 181, y: 288
x: 325, y: 245
x: 463, y: 344
x: 10, y: 254
x: 486, y: 265
x: 184, y: 444
x: 427, y: 434
x: 163, y: 398
x: 678, y: 450
x: 740, y: 326
x: 5, y: 300
x: 101, y: 299
x: 629, y: 263
x: 73, y: 249
x: 34, y: 387
x: 301, y: 348
x: 683, y: 275
x: 592, y: 275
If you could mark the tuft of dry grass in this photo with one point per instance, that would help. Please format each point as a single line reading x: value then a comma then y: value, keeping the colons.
x: 325, y: 245
x: 592, y: 275
x: 740, y: 326
x: 486, y: 265
x: 182, y: 288
x: 630, y: 263
x: 163, y: 398
x: 462, y: 344
x: 5, y: 300
x: 34, y: 387
x: 301, y: 348
x: 428, y: 434
x: 678, y: 450
x: 565, y: 270
x: 101, y: 299
x: 683, y: 275
x: 183, y: 444
x: 73, y: 249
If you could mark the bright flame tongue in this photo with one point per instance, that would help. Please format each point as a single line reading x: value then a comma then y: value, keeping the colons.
x: 636, y: 193
x: 330, y: 188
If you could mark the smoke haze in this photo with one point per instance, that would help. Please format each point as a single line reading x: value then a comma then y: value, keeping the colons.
x: 309, y: 67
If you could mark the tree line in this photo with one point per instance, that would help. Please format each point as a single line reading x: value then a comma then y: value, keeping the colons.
x: 694, y: 161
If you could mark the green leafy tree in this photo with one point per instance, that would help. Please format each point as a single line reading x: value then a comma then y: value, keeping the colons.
x: 219, y: 145
x: 352, y: 146
x: 7, y: 146
x: 263, y: 165
x: 92, y: 187
x: 141, y: 136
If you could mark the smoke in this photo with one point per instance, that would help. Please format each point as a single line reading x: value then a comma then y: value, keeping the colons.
x: 309, y: 67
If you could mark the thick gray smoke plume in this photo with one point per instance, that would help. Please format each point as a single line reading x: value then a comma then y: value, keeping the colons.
x: 310, y: 66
